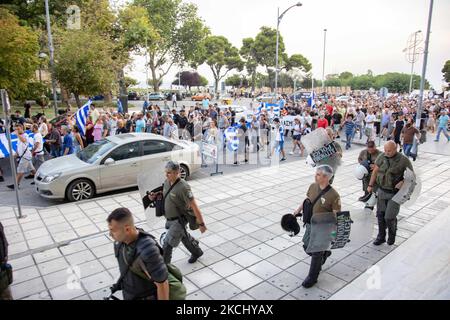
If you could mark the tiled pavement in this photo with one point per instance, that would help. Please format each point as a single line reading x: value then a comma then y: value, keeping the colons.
x: 247, y: 255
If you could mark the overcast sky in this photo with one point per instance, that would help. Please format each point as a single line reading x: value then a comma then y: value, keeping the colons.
x: 362, y: 34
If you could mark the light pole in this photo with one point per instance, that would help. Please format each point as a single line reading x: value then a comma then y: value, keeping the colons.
x: 52, y: 57
x: 412, y: 53
x: 279, y: 17
x: 323, y: 64
x: 424, y: 67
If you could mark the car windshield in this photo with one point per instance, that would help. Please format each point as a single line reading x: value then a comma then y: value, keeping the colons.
x: 94, y: 151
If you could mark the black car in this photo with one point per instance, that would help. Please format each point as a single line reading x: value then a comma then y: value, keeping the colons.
x: 133, y: 96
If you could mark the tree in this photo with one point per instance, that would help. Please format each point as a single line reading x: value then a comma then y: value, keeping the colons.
x: 19, y: 50
x: 237, y: 81
x: 189, y: 79
x: 129, y: 82
x: 397, y: 82
x: 249, y: 54
x: 178, y: 31
x: 219, y: 55
x: 81, y: 67
x: 446, y: 71
x: 362, y: 82
x: 298, y: 61
x: 346, y: 75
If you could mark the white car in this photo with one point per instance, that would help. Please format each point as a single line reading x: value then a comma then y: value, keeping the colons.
x: 241, y: 111
x: 112, y: 163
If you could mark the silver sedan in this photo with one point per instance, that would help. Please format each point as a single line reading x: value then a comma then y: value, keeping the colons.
x: 112, y: 163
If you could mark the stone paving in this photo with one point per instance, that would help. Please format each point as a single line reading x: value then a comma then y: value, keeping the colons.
x: 64, y: 252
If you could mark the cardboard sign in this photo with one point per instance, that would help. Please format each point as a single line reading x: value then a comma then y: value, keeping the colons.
x: 209, y: 150
x: 323, y: 153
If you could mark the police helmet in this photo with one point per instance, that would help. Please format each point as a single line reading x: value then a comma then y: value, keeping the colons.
x: 289, y: 223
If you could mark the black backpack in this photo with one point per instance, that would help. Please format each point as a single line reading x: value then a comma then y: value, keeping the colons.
x: 3, y: 246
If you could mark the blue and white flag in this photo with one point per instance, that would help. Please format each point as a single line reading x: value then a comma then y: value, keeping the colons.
x: 267, y: 107
x: 311, y: 101
x: 232, y: 139
x: 119, y: 106
x: 4, y: 149
x: 82, y: 116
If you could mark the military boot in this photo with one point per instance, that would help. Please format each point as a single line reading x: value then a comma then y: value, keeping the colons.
x: 392, y: 230
x: 381, y: 238
x: 314, y: 270
x: 167, y: 253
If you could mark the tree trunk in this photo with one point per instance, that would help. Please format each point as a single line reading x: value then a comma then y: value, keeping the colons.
x: 108, y: 97
x: 155, y: 81
x: 123, y: 95
x: 77, y: 99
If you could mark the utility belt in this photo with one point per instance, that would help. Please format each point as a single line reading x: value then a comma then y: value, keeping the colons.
x: 173, y: 219
x: 388, y: 191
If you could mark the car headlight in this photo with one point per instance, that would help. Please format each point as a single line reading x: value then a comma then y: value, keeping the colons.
x: 51, y: 177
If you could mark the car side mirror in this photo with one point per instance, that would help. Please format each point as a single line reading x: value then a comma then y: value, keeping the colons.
x: 109, y: 161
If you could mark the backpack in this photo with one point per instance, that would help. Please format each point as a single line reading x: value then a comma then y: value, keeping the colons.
x: 177, y: 290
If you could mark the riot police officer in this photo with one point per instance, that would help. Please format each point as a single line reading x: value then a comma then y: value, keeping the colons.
x: 388, y: 175
x: 323, y: 199
x: 367, y: 158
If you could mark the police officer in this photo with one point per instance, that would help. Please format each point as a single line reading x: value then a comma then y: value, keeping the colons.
x: 325, y: 199
x: 178, y: 203
x: 368, y: 157
x: 131, y: 246
x: 388, y: 176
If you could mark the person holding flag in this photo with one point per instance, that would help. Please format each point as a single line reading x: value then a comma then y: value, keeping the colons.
x: 279, y: 139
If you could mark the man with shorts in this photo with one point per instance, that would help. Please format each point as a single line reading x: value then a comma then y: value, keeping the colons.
x: 24, y: 156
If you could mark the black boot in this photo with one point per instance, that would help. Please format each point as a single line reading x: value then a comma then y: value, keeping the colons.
x: 193, y: 246
x: 314, y: 270
x: 325, y: 256
x: 381, y: 238
x: 392, y: 230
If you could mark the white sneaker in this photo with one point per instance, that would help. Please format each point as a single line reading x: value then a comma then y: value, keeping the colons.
x: 291, y: 153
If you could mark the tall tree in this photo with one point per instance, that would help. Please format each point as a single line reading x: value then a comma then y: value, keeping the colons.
x: 249, y: 54
x: 84, y: 61
x: 220, y: 56
x: 19, y: 51
x: 178, y: 31
x: 446, y: 71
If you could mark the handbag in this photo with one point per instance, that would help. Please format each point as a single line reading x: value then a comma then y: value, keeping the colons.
x: 308, y: 205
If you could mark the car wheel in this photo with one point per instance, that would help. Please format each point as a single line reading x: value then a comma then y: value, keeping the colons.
x: 79, y: 190
x: 184, y: 172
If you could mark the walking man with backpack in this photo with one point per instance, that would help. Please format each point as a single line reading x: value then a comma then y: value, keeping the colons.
x: 5, y: 268
x: 143, y: 273
x: 181, y: 210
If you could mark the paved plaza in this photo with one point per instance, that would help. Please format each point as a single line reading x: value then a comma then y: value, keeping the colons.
x: 64, y: 251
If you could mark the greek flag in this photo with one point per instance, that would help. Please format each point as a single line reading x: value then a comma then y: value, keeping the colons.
x: 281, y: 131
x: 232, y: 140
x: 81, y: 117
x: 267, y: 107
x: 311, y: 101
x: 119, y: 106
x: 4, y: 149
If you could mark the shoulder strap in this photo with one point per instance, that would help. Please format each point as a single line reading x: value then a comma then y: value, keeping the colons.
x: 171, y: 187
x: 320, y: 195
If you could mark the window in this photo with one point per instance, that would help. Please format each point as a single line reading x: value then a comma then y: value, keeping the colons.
x: 155, y: 146
x: 128, y: 151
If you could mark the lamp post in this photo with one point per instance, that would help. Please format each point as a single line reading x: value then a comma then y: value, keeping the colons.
x: 323, y: 64
x: 424, y: 67
x: 52, y: 57
x: 279, y: 17
x: 414, y: 58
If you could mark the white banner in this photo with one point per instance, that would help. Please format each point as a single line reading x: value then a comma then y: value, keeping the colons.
x: 209, y: 150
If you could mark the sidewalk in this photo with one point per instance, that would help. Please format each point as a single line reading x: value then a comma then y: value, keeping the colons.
x: 247, y: 254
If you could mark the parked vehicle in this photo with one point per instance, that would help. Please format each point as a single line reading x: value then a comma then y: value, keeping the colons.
x: 112, y: 163
x: 201, y: 96
x: 156, y: 96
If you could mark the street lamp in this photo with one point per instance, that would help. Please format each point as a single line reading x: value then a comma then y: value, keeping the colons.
x: 42, y: 56
x: 279, y: 17
x: 412, y: 53
x: 52, y: 58
x: 323, y: 65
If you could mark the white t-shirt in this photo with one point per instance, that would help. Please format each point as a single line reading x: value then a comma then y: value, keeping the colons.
x: 297, y: 129
x: 22, y: 149
x: 370, y: 119
x: 43, y: 129
x: 38, y: 138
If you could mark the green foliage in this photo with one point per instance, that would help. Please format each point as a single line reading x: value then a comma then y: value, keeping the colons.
x: 219, y: 55
x: 265, y: 47
x: 84, y: 63
x: 298, y: 61
x: 177, y: 32
x: 19, y: 51
x: 446, y: 71
x: 237, y: 80
x: 129, y: 82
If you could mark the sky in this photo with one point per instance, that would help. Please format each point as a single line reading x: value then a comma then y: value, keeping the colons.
x: 361, y: 34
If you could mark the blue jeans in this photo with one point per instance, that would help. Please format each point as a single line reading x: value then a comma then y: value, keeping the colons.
x: 55, y: 151
x: 407, y: 149
x: 349, y: 137
x: 358, y: 126
x: 444, y: 130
